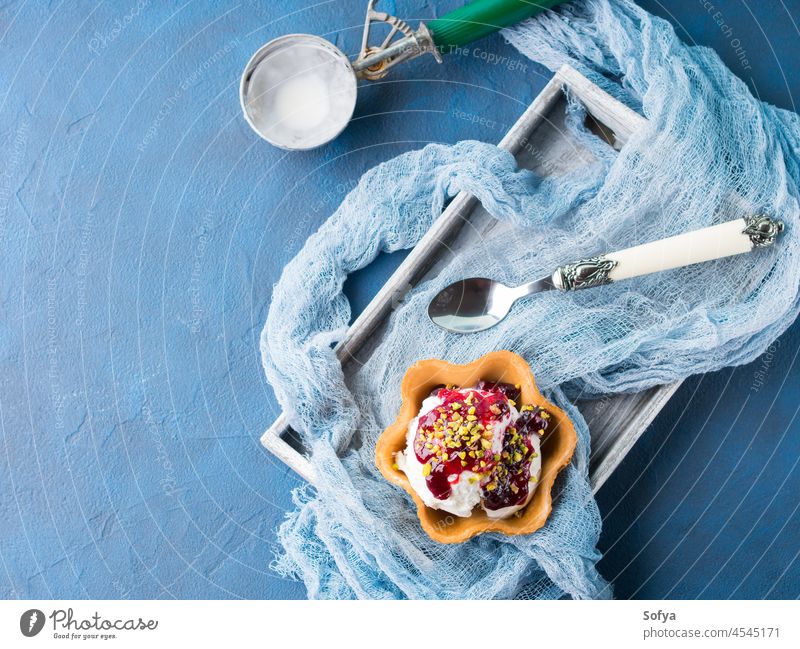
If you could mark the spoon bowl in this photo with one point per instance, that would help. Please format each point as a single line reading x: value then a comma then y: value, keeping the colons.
x: 471, y: 305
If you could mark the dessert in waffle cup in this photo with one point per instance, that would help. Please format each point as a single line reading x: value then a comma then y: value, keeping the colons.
x: 557, y: 444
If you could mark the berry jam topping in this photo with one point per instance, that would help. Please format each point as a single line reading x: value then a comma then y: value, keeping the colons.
x: 512, y: 392
x: 459, y: 435
x: 508, y: 484
x: 533, y: 420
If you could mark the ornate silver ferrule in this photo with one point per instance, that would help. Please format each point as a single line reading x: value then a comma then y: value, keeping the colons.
x: 585, y: 273
x: 762, y: 230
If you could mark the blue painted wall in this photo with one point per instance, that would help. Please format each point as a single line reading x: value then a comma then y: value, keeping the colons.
x: 142, y: 226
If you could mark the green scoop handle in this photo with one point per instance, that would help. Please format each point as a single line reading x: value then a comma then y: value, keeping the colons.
x: 481, y: 18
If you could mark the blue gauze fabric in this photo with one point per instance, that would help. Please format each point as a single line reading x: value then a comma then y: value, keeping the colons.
x: 711, y: 152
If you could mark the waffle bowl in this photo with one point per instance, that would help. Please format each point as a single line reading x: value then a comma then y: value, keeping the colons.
x: 557, y: 446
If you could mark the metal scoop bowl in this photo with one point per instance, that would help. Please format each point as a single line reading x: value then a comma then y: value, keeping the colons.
x: 298, y: 92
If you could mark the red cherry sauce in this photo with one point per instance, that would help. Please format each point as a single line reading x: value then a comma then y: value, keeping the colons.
x: 509, y: 483
x: 512, y: 392
x: 457, y: 435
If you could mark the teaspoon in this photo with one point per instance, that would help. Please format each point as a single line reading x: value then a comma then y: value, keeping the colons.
x: 477, y: 303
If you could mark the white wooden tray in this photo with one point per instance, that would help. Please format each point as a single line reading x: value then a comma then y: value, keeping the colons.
x: 539, y: 142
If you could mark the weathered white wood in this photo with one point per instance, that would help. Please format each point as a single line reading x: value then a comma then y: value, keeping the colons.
x: 540, y: 142
x: 273, y: 440
x: 616, y: 422
x: 620, y: 119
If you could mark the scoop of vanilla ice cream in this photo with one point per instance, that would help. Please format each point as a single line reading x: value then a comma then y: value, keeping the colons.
x: 466, y: 493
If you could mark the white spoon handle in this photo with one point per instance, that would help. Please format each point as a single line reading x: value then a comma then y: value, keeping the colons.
x: 723, y: 240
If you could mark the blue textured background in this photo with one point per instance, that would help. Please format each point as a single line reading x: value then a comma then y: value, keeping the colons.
x: 142, y: 226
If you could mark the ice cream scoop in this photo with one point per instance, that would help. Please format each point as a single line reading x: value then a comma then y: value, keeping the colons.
x: 299, y: 91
